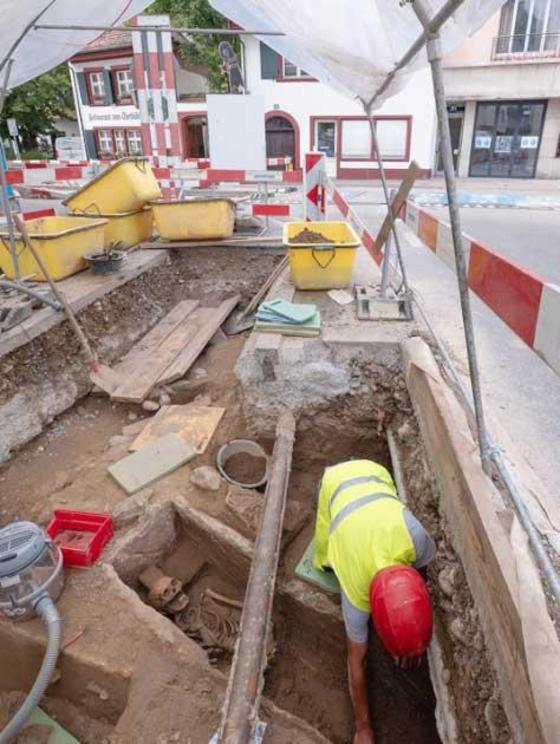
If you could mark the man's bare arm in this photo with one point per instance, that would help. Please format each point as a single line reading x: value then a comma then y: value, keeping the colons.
x: 357, y: 656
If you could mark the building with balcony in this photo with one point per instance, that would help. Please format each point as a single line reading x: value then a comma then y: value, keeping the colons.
x: 503, y: 92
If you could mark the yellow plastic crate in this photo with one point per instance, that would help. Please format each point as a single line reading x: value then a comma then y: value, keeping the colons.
x: 61, y: 242
x: 326, y: 265
x: 126, y: 186
x: 194, y: 219
x: 129, y: 228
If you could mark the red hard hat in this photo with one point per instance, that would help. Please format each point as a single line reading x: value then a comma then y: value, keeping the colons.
x: 401, y: 610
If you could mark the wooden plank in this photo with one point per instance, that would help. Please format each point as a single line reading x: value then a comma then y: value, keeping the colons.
x: 412, y: 173
x: 152, y: 462
x: 469, y: 500
x: 144, y: 376
x: 148, y: 344
x: 197, y: 344
x: 193, y: 423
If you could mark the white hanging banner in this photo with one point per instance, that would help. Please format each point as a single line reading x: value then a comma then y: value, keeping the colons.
x: 42, y: 49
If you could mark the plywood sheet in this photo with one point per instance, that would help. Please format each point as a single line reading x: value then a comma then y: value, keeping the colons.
x: 152, y: 462
x: 193, y: 423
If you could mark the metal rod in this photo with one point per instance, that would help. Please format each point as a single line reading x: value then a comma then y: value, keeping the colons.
x: 162, y: 29
x: 386, y: 194
x: 3, y: 182
x: 434, y: 25
x: 240, y: 711
x: 434, y: 58
x: 35, y: 293
x: 504, y: 472
x: 387, y: 253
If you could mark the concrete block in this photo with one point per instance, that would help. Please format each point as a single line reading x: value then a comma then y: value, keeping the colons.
x: 291, y: 351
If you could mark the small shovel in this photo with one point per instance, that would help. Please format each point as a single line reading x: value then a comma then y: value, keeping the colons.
x: 101, y: 375
x: 243, y: 320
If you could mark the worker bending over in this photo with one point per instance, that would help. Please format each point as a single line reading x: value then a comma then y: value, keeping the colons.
x: 374, y: 545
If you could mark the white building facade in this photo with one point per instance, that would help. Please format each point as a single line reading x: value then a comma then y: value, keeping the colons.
x: 503, y: 91
x: 299, y: 113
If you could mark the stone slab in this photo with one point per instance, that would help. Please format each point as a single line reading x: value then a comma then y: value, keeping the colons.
x: 151, y: 462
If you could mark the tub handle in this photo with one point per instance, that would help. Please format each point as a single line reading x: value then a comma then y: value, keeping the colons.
x: 77, y: 210
x: 141, y: 165
x: 315, y: 251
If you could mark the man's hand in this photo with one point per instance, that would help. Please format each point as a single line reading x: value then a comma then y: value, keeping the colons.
x: 408, y: 662
x: 364, y: 736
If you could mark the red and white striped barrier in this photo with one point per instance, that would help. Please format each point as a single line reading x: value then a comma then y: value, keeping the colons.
x: 529, y: 305
x: 367, y: 238
x: 313, y: 186
x: 275, y: 162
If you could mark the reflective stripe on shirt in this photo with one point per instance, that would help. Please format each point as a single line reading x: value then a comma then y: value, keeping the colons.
x: 358, y: 504
x: 357, y: 481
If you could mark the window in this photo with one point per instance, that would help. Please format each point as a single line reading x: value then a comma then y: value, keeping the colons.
x: 96, y: 87
x: 529, y: 26
x: 392, y: 135
x: 325, y: 136
x: 290, y: 70
x: 124, y: 85
x: 118, y: 142
x: 506, y: 139
x: 105, y: 140
x: 134, y: 140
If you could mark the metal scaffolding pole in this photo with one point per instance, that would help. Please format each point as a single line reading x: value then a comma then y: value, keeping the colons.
x: 434, y: 57
x: 4, y: 185
x: 158, y: 29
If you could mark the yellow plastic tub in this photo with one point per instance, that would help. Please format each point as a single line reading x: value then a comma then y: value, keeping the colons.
x: 327, y: 265
x: 61, y: 242
x: 126, y: 186
x: 129, y: 228
x: 194, y: 219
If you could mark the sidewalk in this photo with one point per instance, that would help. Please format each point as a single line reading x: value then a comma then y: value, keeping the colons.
x: 521, y: 393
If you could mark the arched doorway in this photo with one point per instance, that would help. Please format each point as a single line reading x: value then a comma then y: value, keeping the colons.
x: 282, y: 136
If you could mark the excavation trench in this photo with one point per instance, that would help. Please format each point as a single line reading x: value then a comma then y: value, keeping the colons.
x: 134, y: 674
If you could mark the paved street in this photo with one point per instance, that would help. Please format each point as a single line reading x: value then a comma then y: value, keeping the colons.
x: 530, y: 237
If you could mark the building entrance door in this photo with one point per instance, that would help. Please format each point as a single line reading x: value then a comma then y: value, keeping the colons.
x: 507, y: 138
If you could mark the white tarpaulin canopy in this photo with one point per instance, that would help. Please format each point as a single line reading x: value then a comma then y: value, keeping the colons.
x: 352, y: 45
x: 40, y: 50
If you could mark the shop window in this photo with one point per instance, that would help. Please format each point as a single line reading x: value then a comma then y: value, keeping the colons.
x: 124, y: 85
x: 96, y: 87
x: 392, y: 134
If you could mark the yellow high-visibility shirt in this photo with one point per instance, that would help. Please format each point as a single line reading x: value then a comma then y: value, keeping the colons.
x: 360, y: 527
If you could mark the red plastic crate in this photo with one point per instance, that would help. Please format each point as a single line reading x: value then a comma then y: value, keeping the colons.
x: 80, y: 535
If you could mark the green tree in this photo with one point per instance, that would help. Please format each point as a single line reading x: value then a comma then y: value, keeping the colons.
x: 200, y: 50
x: 36, y: 104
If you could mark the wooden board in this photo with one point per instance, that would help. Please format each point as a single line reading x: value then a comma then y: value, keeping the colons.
x: 152, y: 462
x: 477, y: 529
x: 193, y: 423
x: 155, y: 337
x: 412, y: 173
x: 190, y: 353
x: 144, y: 374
